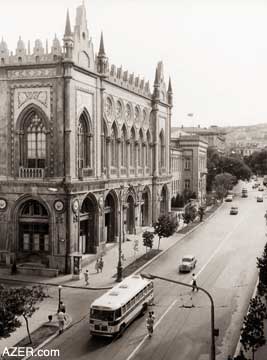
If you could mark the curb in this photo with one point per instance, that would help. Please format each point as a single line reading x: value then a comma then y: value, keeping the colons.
x: 176, y: 242
x: 50, y: 338
x: 238, y: 346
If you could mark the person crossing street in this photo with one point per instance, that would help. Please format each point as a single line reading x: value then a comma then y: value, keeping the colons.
x: 150, y: 323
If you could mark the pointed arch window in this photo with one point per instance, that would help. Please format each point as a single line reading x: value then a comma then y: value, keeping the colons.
x: 123, y: 148
x: 132, y: 149
x: 113, y: 146
x: 84, y: 143
x: 140, y: 149
x: 162, y: 150
x: 35, y: 143
x: 149, y: 151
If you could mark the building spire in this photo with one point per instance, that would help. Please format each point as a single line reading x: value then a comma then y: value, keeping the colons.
x: 170, y: 86
x: 101, y: 46
x: 67, y: 26
x: 156, y: 82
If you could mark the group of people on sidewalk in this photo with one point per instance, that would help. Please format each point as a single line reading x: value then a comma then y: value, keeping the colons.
x: 99, y: 268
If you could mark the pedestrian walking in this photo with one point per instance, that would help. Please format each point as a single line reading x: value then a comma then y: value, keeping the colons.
x: 194, y: 283
x: 61, y: 321
x: 150, y: 323
x: 62, y: 307
x: 86, y: 278
x: 97, y: 265
x: 101, y: 264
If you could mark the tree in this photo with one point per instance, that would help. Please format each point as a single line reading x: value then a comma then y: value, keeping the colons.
x: 262, y: 266
x: 252, y: 332
x: 223, y: 183
x: 148, y: 237
x: 16, y: 302
x: 190, y: 213
x: 165, y: 226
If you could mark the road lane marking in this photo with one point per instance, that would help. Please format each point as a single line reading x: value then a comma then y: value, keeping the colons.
x: 220, y: 246
x: 157, y: 323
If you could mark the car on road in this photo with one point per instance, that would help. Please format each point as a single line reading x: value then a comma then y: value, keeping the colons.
x: 188, y: 263
x: 234, y: 210
x: 260, y: 198
x: 260, y: 188
x: 229, y: 198
x: 244, y: 192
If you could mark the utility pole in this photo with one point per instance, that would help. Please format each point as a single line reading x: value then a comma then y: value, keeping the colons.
x: 214, y: 332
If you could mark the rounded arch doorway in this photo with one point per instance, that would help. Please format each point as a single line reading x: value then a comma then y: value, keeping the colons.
x: 110, y: 218
x: 88, y: 226
x: 33, y: 231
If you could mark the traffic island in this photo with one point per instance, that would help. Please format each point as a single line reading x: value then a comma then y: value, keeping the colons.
x: 138, y: 263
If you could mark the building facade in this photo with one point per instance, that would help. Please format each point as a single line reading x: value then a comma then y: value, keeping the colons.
x: 84, y: 156
x: 189, y: 165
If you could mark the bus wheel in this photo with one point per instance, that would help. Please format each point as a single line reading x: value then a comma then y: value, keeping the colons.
x: 122, y: 329
x: 144, y: 309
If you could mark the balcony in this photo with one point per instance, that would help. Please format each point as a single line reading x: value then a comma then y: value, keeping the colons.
x: 31, y: 173
x: 85, y: 173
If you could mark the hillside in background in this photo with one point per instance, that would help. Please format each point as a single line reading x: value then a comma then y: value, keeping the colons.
x: 242, y: 135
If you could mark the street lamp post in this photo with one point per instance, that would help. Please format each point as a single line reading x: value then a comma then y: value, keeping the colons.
x: 119, y: 267
x: 59, y: 296
x: 214, y: 332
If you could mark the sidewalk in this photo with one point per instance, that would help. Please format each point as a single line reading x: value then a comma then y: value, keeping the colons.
x: 106, y: 278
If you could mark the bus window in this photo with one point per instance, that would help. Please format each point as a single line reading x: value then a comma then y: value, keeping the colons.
x: 123, y: 309
x: 117, y: 313
x: 103, y: 315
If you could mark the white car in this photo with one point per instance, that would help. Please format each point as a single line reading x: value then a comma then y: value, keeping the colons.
x: 229, y: 197
x: 188, y: 263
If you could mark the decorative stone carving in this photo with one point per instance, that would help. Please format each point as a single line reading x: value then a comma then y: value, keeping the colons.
x: 108, y: 108
x: 136, y: 115
x: 31, y: 73
x: 128, y: 112
x: 39, y: 96
x: 118, y: 110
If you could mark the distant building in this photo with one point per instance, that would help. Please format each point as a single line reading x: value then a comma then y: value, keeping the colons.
x: 214, y: 135
x: 189, y: 164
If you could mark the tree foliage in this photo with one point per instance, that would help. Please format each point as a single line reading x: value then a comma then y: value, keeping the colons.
x: 182, y: 199
x: 223, y: 183
x: 165, y: 226
x: 218, y: 164
x: 257, y: 161
x: 148, y: 238
x: 252, y: 332
x: 190, y: 213
x: 17, y: 302
x: 262, y: 266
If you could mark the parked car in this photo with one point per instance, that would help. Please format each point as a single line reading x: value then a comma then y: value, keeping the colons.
x: 188, y: 263
x: 234, y: 210
x: 229, y: 198
x: 260, y: 198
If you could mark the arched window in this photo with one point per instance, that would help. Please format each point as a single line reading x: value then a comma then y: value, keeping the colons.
x: 132, y: 148
x: 149, y: 150
x: 123, y: 148
x: 140, y: 149
x: 35, y: 143
x: 162, y: 150
x: 113, y: 146
x: 104, y: 146
x: 84, y: 143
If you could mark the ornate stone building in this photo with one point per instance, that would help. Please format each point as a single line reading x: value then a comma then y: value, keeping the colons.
x: 84, y: 155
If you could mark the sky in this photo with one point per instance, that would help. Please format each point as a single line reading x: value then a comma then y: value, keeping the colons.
x: 215, y: 51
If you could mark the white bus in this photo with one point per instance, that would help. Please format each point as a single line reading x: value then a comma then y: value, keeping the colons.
x: 112, y: 312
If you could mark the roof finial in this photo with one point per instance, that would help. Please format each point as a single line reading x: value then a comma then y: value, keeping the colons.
x: 67, y: 26
x: 101, y: 46
x: 170, y: 86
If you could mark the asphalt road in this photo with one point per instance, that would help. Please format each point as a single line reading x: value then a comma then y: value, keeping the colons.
x: 226, y: 247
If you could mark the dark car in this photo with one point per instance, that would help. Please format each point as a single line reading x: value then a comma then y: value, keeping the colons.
x: 234, y: 210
